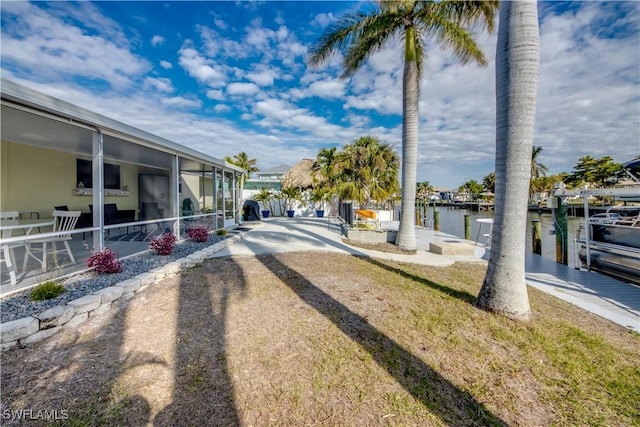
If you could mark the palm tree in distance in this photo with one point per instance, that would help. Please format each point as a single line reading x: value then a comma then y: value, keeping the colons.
x: 242, y: 161
x: 324, y: 167
x: 424, y: 189
x: 489, y: 182
x: 537, y: 169
x: 504, y: 289
x: 362, y: 34
x: 367, y: 171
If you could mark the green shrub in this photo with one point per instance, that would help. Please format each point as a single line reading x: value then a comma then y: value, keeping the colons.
x: 222, y: 232
x: 47, y: 290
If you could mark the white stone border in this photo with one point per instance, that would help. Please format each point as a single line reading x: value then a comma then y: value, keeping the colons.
x: 36, y: 328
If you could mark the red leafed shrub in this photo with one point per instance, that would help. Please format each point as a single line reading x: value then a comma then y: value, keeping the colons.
x: 164, y: 244
x: 104, y: 261
x: 198, y: 234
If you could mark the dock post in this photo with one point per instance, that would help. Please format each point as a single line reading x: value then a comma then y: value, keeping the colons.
x: 536, y: 236
x: 560, y: 224
x: 467, y: 227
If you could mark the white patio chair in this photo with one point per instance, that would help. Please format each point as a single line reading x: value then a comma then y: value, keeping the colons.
x: 7, y: 254
x: 64, y: 222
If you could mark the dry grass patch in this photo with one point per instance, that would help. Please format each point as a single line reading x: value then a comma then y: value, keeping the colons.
x: 327, y: 339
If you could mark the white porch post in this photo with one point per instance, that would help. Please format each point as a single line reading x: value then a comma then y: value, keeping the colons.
x: 235, y: 197
x: 175, y: 194
x: 215, y: 195
x: 224, y: 198
x: 97, y: 177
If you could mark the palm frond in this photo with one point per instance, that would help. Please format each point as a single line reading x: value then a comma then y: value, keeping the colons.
x: 473, y: 13
x: 371, y: 36
x: 451, y: 36
x: 336, y: 37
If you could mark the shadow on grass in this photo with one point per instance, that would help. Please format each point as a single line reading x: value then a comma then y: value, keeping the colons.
x: 72, y: 383
x: 203, y: 390
x: 444, y: 399
x: 456, y: 293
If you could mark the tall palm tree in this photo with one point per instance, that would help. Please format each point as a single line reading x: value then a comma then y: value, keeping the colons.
x: 242, y: 161
x: 367, y: 171
x: 537, y: 169
x: 504, y: 289
x: 364, y: 33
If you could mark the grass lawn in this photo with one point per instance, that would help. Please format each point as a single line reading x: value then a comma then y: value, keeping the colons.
x: 327, y: 339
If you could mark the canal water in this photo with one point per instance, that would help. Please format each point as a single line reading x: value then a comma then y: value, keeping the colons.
x: 452, y: 222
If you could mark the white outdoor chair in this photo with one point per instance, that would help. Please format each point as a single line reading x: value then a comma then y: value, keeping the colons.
x: 64, y: 222
x: 7, y: 254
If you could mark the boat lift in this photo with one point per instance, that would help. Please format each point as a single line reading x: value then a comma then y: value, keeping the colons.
x: 625, y: 194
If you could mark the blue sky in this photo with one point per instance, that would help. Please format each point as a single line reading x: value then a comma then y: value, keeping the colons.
x: 225, y: 77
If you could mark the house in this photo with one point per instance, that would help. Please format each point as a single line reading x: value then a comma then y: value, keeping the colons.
x: 56, y: 154
x: 271, y: 179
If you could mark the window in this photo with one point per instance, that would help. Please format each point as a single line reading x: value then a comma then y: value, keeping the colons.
x: 111, y: 174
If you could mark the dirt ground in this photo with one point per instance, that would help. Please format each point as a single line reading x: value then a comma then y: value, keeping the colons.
x: 298, y: 339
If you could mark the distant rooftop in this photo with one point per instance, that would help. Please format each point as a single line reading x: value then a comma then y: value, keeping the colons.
x: 278, y: 170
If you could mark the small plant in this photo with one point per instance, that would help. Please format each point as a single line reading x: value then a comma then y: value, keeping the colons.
x: 104, y: 261
x: 47, y: 290
x: 222, y: 232
x: 198, y: 234
x: 164, y: 244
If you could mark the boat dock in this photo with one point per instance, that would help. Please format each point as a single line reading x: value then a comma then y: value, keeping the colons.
x: 602, y: 295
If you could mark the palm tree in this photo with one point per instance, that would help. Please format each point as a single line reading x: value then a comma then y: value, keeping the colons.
x: 324, y: 167
x: 489, y: 182
x: 537, y: 169
x: 364, y: 33
x: 472, y: 187
x: 242, y: 161
x: 367, y: 171
x: 424, y: 189
x: 504, y: 289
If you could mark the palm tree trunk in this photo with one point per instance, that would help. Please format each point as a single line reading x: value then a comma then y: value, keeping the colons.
x: 504, y: 289
x: 407, y: 232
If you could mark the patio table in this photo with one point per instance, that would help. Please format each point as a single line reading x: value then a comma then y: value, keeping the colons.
x: 9, y: 243
x: 28, y: 226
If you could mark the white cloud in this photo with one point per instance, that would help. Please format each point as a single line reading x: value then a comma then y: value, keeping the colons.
x: 220, y: 24
x: 259, y: 37
x: 222, y: 108
x: 327, y: 89
x: 242, y: 89
x: 282, y: 33
x: 215, y: 94
x: 157, y: 40
x: 36, y: 40
x: 263, y: 77
x: 181, y: 102
x: 204, y: 70
x: 166, y: 65
x: 324, y: 19
x: 158, y: 83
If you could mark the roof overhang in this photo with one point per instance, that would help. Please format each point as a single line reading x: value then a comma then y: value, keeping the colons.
x: 32, y: 117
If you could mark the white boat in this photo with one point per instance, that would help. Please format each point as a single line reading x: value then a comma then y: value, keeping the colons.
x: 610, y: 243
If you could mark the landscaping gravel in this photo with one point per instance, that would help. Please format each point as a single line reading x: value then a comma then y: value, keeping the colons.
x: 20, y: 305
